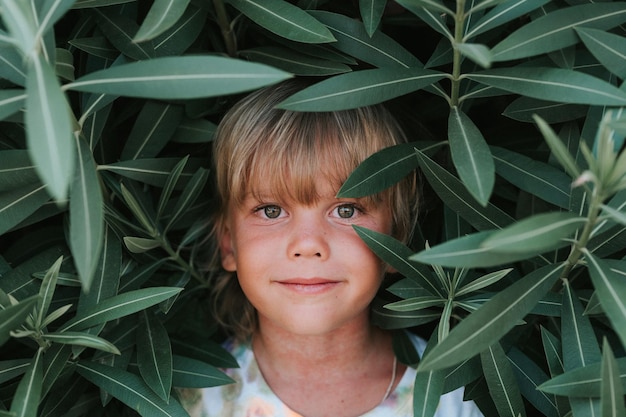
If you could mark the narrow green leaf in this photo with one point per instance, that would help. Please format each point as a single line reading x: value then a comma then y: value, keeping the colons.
x: 12, y: 317
x: 493, y: 320
x: 130, y: 389
x: 371, y: 13
x: 379, y: 171
x: 179, y: 78
x: 433, y: 13
x: 360, y: 88
x: 503, y: 387
x: 161, y: 16
x: 582, y: 382
x: 536, y: 234
x: 12, y: 368
x: 428, y: 387
x: 434, y: 5
x: 86, y: 215
x: 19, y: 18
x: 610, y: 286
x: 119, y: 306
x: 535, y: 177
x: 501, y: 14
x: 415, y: 303
x: 379, y: 50
x: 396, y: 254
x: 12, y: 65
x: 454, y: 194
x: 477, y: 52
x: 524, y: 109
x: 482, y: 282
x: 180, y: 37
x: 612, y: 396
x: 120, y: 31
x: 471, y: 155
x: 553, y: 84
x: 88, y: 4
x: 154, y: 127
x: 16, y: 205
x: 169, y: 186
x: 192, y: 373
x: 284, y: 19
x: 49, y: 131
x: 294, y: 62
x: 16, y: 169
x: 154, y: 355
x: 46, y: 292
x: 26, y: 399
x: 82, y: 339
x: 558, y: 148
x: 556, y: 29
x: 55, y: 361
x: 97, y: 46
x: 189, y: 195
x: 49, y: 12
x: 11, y: 101
x: 142, y: 214
x: 580, y: 347
x: 140, y: 244
x: 529, y: 376
x: 608, y: 48
x: 152, y: 171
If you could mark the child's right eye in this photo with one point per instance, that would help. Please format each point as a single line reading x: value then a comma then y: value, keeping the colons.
x: 271, y: 211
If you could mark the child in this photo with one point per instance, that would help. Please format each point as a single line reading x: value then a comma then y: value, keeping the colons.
x: 299, y: 280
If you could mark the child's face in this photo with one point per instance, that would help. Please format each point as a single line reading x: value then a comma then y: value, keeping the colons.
x: 303, y: 267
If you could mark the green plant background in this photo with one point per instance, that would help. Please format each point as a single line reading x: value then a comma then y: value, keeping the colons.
x: 514, y: 110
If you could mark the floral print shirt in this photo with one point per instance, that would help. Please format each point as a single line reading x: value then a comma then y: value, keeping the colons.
x: 251, y: 396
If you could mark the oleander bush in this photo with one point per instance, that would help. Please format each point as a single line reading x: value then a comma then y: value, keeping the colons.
x: 514, y: 109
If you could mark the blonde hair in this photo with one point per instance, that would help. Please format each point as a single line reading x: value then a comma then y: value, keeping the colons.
x: 297, y: 148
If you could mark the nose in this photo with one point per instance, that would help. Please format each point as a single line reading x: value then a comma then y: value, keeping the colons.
x: 308, y: 239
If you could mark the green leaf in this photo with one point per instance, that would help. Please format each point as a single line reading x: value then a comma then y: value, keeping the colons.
x: 119, y: 306
x: 49, y: 131
x: 55, y: 361
x: 608, y: 48
x: 501, y: 14
x: 482, y: 282
x: 169, y: 186
x: 46, y: 292
x: 12, y: 65
x: 86, y: 215
x: 471, y: 156
x: 433, y: 5
x: 529, y: 376
x: 524, y: 109
x: 360, y: 88
x: 11, y: 101
x: 192, y: 373
x: 612, y: 398
x: 477, y: 52
x: 130, y: 389
x: 285, y: 20
x: 179, y: 78
x: 16, y: 205
x: 12, y: 317
x: 82, y: 339
x: 154, y: 355
x: 371, y: 13
x: 16, y: 169
x: 152, y: 171
x: 428, y: 387
x: 536, y: 234
x: 503, y: 387
x: 582, y: 382
x: 142, y: 213
x: 556, y: 30
x: 535, y: 177
x: 454, y: 194
x: 178, y: 38
x: 379, y: 50
x: 415, y: 303
x: 154, y: 127
x: 608, y: 281
x: 49, y: 12
x: 97, y: 46
x: 493, y: 320
x: 553, y: 84
x: 396, y: 254
x: 19, y: 18
x: 12, y: 368
x: 294, y: 62
x: 120, y: 31
x: 433, y: 13
x: 189, y: 195
x: 162, y: 15
x: 379, y: 171
x: 558, y: 148
x: 28, y: 394
x: 140, y: 244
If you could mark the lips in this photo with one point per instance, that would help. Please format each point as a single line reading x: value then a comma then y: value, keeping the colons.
x: 309, y: 285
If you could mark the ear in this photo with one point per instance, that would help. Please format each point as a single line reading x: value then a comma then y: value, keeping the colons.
x: 227, y: 252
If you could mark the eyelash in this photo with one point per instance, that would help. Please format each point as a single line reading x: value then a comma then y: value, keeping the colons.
x: 357, y: 209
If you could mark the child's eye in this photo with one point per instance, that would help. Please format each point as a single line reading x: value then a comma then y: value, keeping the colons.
x: 346, y: 211
x: 271, y: 211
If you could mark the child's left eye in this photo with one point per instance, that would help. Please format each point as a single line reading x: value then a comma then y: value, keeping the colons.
x: 346, y: 211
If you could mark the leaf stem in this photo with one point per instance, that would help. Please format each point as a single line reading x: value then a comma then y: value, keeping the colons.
x: 459, y: 19
x: 227, y: 31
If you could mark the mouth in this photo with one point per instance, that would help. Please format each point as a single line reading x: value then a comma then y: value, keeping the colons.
x: 309, y: 285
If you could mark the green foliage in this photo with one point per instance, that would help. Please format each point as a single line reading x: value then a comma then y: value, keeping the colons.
x: 107, y: 111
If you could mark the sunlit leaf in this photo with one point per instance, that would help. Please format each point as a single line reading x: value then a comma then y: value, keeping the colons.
x: 49, y: 131
x: 556, y: 29
x: 360, y: 88
x: 179, y: 77
x: 471, y: 155
x: 493, y: 320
